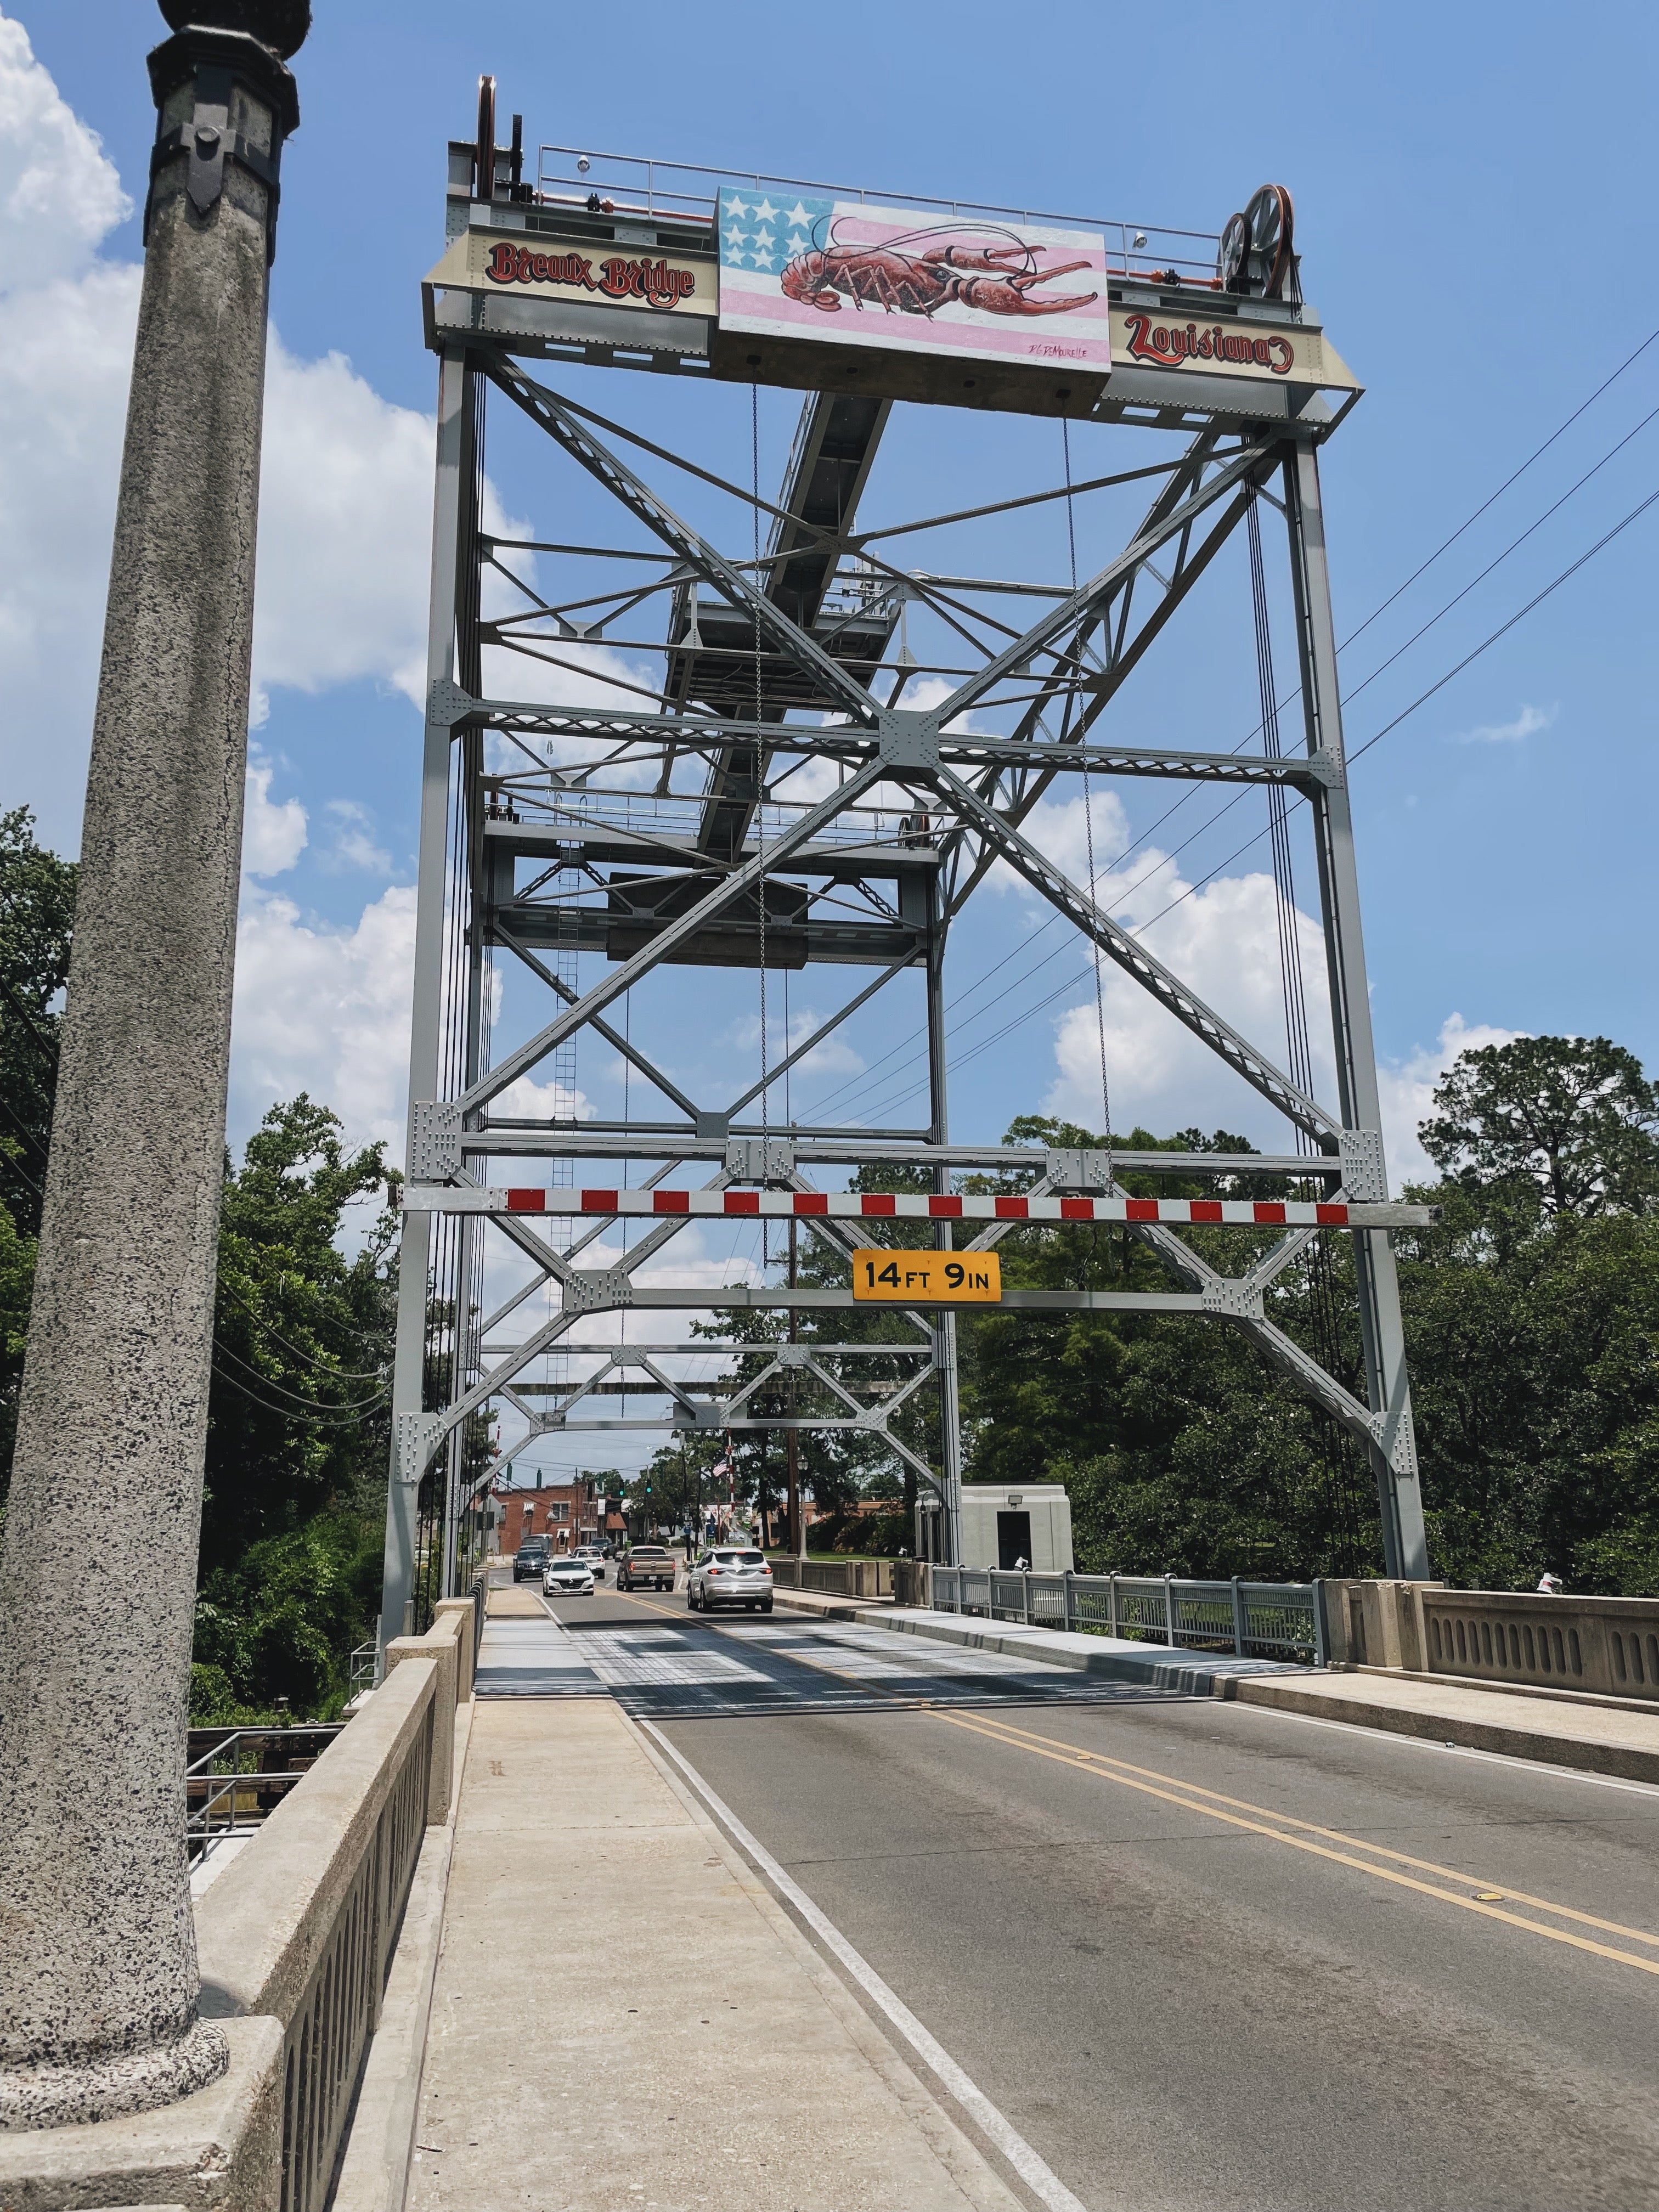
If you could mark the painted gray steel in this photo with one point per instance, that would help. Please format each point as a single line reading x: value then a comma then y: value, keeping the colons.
x: 706, y: 879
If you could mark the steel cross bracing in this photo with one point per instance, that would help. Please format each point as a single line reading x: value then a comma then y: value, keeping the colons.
x: 678, y: 839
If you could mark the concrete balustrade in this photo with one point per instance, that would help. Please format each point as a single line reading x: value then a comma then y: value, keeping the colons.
x: 1605, y: 1647
x: 834, y: 1577
x: 295, y: 1940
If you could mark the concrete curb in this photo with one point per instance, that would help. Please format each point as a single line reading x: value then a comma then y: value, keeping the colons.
x: 1631, y: 1762
x: 1356, y: 1701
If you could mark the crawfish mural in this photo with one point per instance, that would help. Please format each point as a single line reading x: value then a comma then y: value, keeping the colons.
x: 909, y: 276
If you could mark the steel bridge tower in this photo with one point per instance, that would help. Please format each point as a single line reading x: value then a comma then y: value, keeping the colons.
x: 771, y: 800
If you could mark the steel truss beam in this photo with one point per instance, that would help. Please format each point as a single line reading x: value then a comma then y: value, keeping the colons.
x: 1056, y: 677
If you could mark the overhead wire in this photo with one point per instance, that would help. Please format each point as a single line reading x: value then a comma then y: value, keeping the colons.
x: 1088, y: 835
x: 856, y: 1084
x: 1188, y: 890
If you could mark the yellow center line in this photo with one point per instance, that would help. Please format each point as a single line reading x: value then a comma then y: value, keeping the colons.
x: 1085, y: 1763
x: 1273, y: 1825
x: 1108, y: 1760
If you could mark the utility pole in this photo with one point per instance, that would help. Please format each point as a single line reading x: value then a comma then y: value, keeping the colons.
x: 98, y: 1974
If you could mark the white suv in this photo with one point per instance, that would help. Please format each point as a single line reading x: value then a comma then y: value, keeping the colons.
x: 729, y: 1575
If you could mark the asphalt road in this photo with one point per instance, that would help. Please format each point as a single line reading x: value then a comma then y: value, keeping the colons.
x: 1199, y: 1955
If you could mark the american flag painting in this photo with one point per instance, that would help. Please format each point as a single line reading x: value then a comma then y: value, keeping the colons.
x: 805, y: 265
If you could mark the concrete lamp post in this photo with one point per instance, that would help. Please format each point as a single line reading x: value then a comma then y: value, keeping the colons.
x: 98, y: 1975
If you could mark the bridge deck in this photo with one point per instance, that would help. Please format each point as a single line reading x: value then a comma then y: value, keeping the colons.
x: 624, y: 2016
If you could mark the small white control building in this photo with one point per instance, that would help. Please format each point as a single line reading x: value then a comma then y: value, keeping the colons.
x: 1029, y: 1520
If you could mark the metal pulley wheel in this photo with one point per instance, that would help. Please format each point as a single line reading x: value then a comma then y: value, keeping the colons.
x: 1234, y: 248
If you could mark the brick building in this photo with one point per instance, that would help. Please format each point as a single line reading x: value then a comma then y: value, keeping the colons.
x: 571, y: 1513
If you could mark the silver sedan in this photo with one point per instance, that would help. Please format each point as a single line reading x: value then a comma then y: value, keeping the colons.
x: 567, y: 1578
x: 730, y: 1576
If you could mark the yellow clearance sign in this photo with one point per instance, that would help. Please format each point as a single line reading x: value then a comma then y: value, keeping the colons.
x: 931, y: 1279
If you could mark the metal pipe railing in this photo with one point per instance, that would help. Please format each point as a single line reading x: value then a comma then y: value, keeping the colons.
x: 1255, y: 1620
x: 216, y: 1795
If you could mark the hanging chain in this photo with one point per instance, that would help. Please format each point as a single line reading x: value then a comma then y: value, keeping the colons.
x: 1088, y: 835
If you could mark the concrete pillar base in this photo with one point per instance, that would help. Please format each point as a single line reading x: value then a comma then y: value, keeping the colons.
x: 111, y: 2088
x: 218, y: 2149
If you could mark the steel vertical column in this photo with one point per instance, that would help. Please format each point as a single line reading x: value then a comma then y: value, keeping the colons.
x: 1393, y: 1445
x: 455, y: 456
x: 945, y: 1328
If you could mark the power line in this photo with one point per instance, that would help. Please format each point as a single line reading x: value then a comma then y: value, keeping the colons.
x: 1422, y: 700
x: 853, y: 1084
x: 1537, y: 454
x: 340, y: 1374
x: 314, y: 1405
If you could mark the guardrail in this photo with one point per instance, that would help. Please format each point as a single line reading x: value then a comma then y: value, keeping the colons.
x: 302, y: 1925
x: 1606, y: 1645
x: 1254, y: 1620
x: 833, y: 1578
x: 232, y: 1783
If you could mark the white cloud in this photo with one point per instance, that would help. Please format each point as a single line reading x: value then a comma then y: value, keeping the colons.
x: 1223, y: 943
x: 353, y: 845
x: 1527, y: 724
x: 1407, y: 1087
x: 1060, y: 829
x: 345, y: 531
x: 273, y: 836
x: 834, y: 1056
x: 326, y: 1010
x: 65, y: 353
x: 526, y: 1100
x: 59, y: 192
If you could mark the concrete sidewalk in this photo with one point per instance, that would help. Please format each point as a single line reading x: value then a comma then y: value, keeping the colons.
x: 1596, y: 1737
x: 624, y: 2016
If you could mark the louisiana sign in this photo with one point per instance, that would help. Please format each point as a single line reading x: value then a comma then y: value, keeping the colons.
x: 797, y: 265
x: 966, y: 1278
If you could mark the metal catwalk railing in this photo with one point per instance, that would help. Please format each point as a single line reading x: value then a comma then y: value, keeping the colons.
x: 1254, y: 1620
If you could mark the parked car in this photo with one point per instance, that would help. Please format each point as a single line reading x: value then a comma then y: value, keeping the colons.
x: 646, y: 1566
x: 730, y: 1576
x: 571, y: 1576
x: 530, y: 1559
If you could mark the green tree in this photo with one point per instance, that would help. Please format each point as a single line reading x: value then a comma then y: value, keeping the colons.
x: 297, y: 1416
x: 1573, y: 1119
x: 37, y: 915
x: 1181, y: 1451
x: 16, y: 1288
x: 37, y: 912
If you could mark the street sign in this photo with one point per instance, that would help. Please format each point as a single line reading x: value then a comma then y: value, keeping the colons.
x: 931, y: 1279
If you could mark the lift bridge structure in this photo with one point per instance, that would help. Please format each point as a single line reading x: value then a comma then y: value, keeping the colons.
x: 669, y: 833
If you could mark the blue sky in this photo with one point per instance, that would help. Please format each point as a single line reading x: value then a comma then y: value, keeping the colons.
x: 1472, y: 191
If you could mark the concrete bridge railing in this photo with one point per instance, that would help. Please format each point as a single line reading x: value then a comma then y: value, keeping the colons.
x: 295, y: 1941
x: 833, y: 1578
x: 1604, y: 1646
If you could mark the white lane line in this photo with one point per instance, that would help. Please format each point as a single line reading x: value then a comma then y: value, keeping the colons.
x: 1038, y: 2177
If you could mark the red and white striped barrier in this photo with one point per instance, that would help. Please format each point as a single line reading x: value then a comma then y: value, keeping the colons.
x: 734, y: 1205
